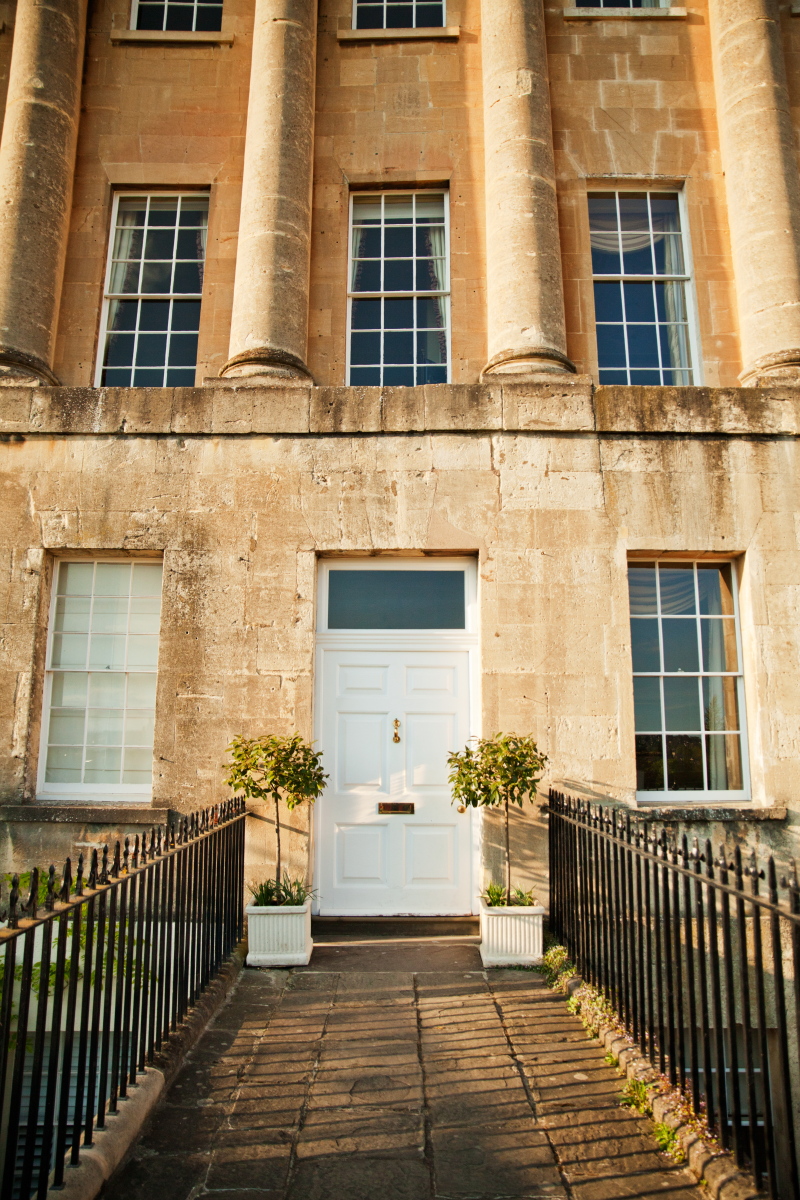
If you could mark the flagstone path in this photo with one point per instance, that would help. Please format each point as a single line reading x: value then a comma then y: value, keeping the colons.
x: 431, y: 1080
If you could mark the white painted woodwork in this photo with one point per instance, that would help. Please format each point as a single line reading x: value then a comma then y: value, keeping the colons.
x: 386, y: 864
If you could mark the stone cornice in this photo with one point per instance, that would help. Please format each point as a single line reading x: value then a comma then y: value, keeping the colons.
x: 568, y: 404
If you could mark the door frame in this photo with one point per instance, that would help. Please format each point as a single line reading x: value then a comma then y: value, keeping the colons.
x: 380, y: 640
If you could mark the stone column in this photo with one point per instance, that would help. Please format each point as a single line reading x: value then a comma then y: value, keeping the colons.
x: 525, y: 294
x: 37, y: 164
x: 762, y: 184
x: 269, y: 324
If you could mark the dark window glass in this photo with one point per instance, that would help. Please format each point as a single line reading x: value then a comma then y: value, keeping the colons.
x: 641, y: 318
x: 396, y: 600
x: 689, y: 706
x: 396, y: 14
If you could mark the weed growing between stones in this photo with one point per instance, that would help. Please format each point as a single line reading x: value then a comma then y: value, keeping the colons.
x: 597, y: 1015
x: 667, y: 1140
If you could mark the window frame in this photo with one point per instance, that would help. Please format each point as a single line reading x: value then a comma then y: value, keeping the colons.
x: 87, y: 793
x: 132, y: 194
x: 707, y: 796
x: 351, y: 295
x: 401, y: 29
x: 688, y: 277
x: 598, y: 5
x: 134, y: 19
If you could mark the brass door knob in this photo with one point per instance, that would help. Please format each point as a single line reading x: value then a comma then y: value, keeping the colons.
x: 396, y: 737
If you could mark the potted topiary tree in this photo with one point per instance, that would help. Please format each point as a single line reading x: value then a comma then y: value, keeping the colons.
x: 279, y: 918
x: 497, y: 773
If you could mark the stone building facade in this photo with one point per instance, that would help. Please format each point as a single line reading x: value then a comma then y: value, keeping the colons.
x: 293, y: 295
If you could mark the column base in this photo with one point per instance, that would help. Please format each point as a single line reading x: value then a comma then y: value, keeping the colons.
x: 527, y: 366
x: 18, y: 369
x: 774, y: 370
x: 265, y: 367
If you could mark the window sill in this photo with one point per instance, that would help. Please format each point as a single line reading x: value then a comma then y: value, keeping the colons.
x: 171, y: 37
x: 625, y: 14
x: 658, y: 810
x: 50, y: 812
x: 449, y: 33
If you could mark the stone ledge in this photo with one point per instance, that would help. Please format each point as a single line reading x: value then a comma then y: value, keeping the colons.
x: 85, y: 814
x: 565, y: 404
x: 625, y: 14
x: 449, y: 33
x: 171, y: 37
x: 708, y: 813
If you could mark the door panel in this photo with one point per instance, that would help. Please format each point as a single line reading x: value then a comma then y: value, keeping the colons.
x: 361, y: 751
x: 387, y: 722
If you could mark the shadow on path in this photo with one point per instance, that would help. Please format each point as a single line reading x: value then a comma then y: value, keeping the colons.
x: 396, y: 1070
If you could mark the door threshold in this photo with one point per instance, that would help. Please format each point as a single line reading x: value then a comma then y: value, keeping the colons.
x: 395, y: 927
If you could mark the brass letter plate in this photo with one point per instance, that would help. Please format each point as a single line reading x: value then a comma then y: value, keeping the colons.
x: 395, y: 808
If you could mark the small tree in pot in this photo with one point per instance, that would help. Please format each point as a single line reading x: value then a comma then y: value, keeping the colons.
x: 270, y: 767
x: 497, y: 773
x: 275, y: 768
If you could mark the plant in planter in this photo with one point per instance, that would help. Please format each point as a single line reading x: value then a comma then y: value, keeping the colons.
x: 497, y: 773
x: 275, y: 768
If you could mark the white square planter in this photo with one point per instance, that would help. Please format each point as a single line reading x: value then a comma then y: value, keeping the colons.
x: 279, y: 935
x: 511, y: 937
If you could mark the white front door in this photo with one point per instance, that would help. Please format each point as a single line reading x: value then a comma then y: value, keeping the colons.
x: 390, y: 841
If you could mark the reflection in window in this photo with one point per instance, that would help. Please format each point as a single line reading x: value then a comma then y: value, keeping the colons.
x: 177, y: 14
x: 687, y: 677
x: 622, y: 3
x: 102, y: 659
x: 640, y: 288
x: 399, y: 290
x: 153, y: 289
x: 396, y: 600
x: 388, y: 14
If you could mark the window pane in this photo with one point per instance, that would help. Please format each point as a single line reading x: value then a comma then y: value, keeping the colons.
x: 676, y: 585
x: 69, y: 689
x: 649, y: 763
x: 715, y: 588
x: 684, y: 763
x: 141, y: 691
x: 724, y: 762
x: 642, y: 588
x: 647, y: 703
x: 396, y: 600
x: 104, y: 727
x: 720, y: 702
x: 72, y: 614
x: 719, y: 644
x: 644, y: 645
x: 680, y: 644
x: 75, y: 579
x: 67, y: 727
x: 69, y: 650
x: 682, y: 703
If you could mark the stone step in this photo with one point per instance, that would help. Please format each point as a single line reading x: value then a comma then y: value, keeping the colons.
x: 370, y: 928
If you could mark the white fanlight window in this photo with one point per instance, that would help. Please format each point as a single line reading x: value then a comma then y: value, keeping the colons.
x: 100, y: 689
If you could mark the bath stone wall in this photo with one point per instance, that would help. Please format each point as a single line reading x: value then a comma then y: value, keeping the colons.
x: 551, y: 487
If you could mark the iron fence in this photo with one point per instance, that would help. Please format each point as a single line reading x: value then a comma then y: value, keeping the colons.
x: 700, y: 957
x: 97, y: 969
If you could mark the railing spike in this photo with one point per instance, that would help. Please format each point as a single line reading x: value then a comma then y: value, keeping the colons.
x: 126, y: 857
x: 79, y: 877
x: 92, y: 881
x: 66, y: 884
x: 33, y: 897
x: 50, y: 898
x: 13, y: 901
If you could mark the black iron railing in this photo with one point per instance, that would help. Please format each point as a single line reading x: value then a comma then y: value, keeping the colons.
x: 700, y: 956
x: 98, y: 968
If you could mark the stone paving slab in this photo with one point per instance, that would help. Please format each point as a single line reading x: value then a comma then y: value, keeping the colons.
x: 368, y: 1083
